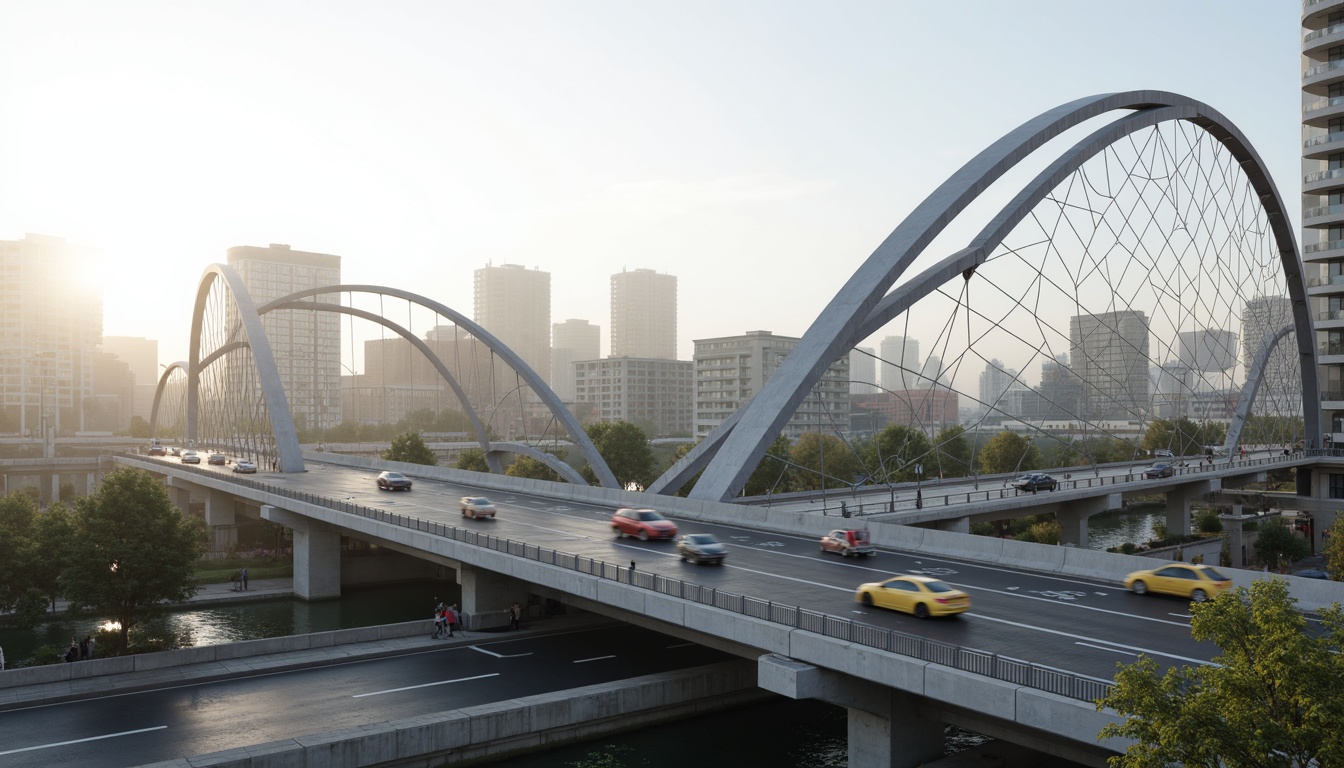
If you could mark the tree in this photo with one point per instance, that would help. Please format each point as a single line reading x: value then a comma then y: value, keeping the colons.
x: 472, y: 460
x: 773, y: 474
x: 139, y: 428
x: 1334, y: 549
x: 840, y: 467
x: 345, y: 432
x: 951, y: 454
x: 526, y: 466
x: 411, y: 449
x: 1276, y: 543
x: 131, y: 550
x: 1271, y: 698
x: 625, y: 448
x: 1182, y: 436
x: 1009, y: 452
x: 894, y: 453
x: 53, y: 533
x: 18, y: 554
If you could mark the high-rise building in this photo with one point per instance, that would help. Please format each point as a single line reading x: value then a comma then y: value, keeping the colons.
x: 306, y: 344
x: 1322, y: 194
x: 655, y: 395
x: 644, y: 315
x: 572, y: 341
x: 901, y: 364
x: 1261, y: 318
x: 995, y: 381
x: 862, y: 371
x: 731, y: 369
x: 1109, y: 352
x: 142, y: 356
x: 51, y: 309
x: 513, y: 303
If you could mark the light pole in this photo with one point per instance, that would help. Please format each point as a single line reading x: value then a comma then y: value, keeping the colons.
x: 891, y: 489
x: 919, y: 486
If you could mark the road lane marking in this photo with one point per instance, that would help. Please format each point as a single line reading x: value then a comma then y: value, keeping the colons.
x: 498, y: 655
x: 680, y: 645
x: 81, y: 741
x: 425, y: 685
x: 595, y: 658
x: 1072, y: 636
x: 1105, y: 648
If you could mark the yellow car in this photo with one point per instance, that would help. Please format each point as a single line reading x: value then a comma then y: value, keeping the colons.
x: 919, y: 595
x: 1196, y: 582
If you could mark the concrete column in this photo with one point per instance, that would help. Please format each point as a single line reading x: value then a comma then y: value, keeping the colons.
x: 219, y: 515
x: 44, y: 494
x: 486, y: 597
x: 55, y: 486
x: 317, y: 553
x: 1073, y: 515
x: 955, y: 525
x: 1178, y: 504
x: 888, y: 728
x: 90, y: 482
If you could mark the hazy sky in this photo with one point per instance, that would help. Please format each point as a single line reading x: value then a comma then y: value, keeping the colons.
x: 758, y: 151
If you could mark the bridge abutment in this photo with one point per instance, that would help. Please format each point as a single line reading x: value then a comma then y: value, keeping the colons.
x: 220, y: 516
x: 1178, y: 504
x: 317, y: 553
x: 887, y: 727
x: 1073, y: 515
x: 486, y: 596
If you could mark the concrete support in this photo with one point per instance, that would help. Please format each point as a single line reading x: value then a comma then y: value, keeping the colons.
x: 955, y: 525
x: 888, y: 728
x: 219, y: 515
x: 1073, y: 515
x: 317, y: 553
x: 1178, y: 504
x: 486, y: 597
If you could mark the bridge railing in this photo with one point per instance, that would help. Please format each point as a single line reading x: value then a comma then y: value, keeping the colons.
x: 1006, y: 668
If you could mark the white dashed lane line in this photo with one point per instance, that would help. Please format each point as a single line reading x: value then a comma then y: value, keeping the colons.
x: 595, y: 658
x: 81, y: 741
x: 425, y: 685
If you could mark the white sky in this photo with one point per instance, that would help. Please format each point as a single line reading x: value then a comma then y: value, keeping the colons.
x: 759, y: 151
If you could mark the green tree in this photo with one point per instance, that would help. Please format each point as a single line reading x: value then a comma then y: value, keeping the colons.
x: 893, y: 454
x: 1182, y: 436
x: 472, y: 460
x: 526, y: 466
x: 1271, y: 698
x: 1276, y: 543
x: 131, y: 551
x: 18, y: 552
x: 1334, y: 549
x: 840, y: 468
x: 773, y: 474
x: 1009, y: 452
x: 411, y: 449
x: 1046, y: 532
x: 53, y: 533
x: 345, y: 432
x: 139, y: 428
x: 625, y: 448
x: 952, y: 455
x: 1207, y: 521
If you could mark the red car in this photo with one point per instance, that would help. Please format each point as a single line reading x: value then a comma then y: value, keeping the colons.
x: 847, y: 542
x: 644, y: 523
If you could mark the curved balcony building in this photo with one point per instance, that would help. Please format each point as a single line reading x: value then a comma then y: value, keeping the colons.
x: 1323, y: 194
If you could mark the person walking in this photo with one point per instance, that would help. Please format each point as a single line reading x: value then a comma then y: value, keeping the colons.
x: 244, y: 578
x: 92, y: 641
x: 84, y: 649
x: 515, y: 615
x: 72, y: 655
x: 453, y: 619
x: 438, y: 622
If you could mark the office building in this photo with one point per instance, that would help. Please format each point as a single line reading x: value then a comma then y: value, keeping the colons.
x: 51, y: 309
x: 572, y: 341
x: 644, y: 315
x: 862, y: 371
x: 1109, y: 352
x: 731, y: 369
x: 655, y: 395
x: 142, y: 357
x: 901, y: 364
x: 398, y: 379
x: 513, y: 303
x: 995, y: 381
x: 306, y: 345
x: 928, y: 410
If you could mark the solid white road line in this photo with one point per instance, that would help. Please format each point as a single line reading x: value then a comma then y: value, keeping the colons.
x: 81, y: 741
x: 1104, y: 648
x: 595, y: 658
x: 1072, y: 636
x: 498, y: 655
x: 425, y: 685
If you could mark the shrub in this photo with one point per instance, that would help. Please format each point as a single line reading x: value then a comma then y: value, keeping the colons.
x: 1206, y: 521
x: 1161, y: 532
x: 1128, y: 548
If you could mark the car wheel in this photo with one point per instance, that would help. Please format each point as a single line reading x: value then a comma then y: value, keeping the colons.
x: 1139, y: 588
x: 1199, y: 596
x: 643, y: 535
x: 619, y: 533
x: 867, y: 599
x: 846, y: 553
x: 922, y: 611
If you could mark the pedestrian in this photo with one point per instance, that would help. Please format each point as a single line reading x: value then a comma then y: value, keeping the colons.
x: 92, y: 641
x: 234, y: 581
x: 439, y: 621
x: 72, y: 655
x: 454, y: 619
x: 515, y: 615
x: 632, y: 566
x: 244, y: 577
x: 84, y: 649
x: 2, y: 659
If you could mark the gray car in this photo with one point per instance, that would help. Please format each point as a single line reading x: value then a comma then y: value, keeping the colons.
x: 701, y: 548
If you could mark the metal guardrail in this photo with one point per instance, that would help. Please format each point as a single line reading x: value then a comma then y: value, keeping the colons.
x: 984, y: 663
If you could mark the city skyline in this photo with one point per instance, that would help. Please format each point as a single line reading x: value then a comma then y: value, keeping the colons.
x: 761, y: 206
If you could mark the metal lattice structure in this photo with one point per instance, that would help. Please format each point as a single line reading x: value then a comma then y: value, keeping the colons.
x: 1160, y: 224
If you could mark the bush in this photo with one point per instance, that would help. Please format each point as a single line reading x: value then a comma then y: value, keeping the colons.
x: 1128, y: 548
x: 984, y: 529
x: 1206, y: 521
x: 44, y: 655
x: 1161, y: 532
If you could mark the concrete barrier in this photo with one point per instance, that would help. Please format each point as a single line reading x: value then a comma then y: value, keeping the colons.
x: 498, y: 730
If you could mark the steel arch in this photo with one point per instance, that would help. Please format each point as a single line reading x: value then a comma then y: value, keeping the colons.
x: 533, y: 380
x: 730, y: 454
x: 180, y: 365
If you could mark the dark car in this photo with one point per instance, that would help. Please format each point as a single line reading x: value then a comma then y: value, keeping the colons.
x: 1036, y: 481
x: 1158, y: 470
x: 157, y: 450
x: 217, y: 459
x: 701, y: 548
x: 393, y: 481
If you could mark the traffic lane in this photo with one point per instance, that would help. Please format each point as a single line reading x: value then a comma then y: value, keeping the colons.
x: 196, y: 719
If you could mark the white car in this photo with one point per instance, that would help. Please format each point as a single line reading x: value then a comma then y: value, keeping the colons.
x: 191, y: 457
x: 477, y: 506
x: 244, y: 467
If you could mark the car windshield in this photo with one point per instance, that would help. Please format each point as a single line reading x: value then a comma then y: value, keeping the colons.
x: 700, y: 538
x: 938, y: 586
x: 392, y: 475
x: 481, y: 500
x: 649, y: 516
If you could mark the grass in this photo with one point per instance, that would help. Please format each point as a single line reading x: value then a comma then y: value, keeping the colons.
x: 215, y: 571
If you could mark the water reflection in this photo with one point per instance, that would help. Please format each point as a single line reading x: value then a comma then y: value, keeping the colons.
x: 1111, y: 529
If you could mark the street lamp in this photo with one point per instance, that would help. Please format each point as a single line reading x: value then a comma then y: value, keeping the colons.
x: 919, y: 486
x: 900, y: 465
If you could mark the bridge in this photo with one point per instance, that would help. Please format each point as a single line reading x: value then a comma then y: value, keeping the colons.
x: 1150, y: 238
